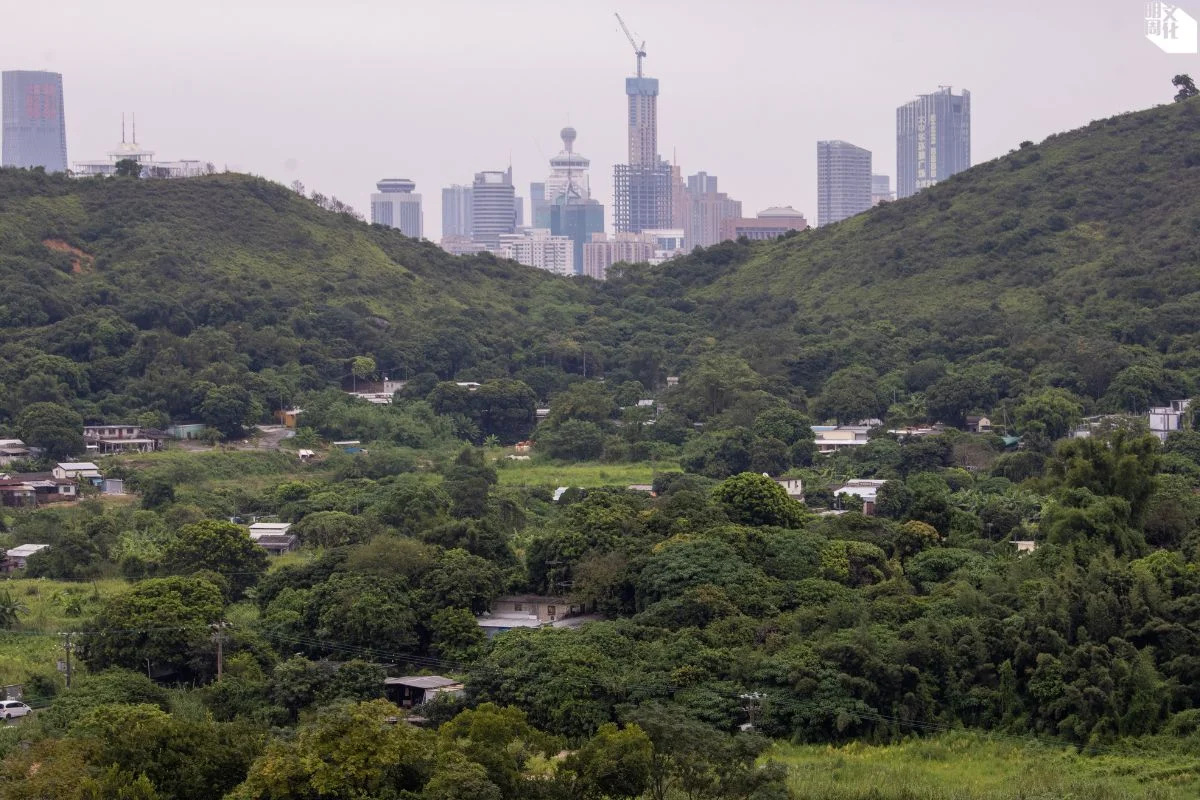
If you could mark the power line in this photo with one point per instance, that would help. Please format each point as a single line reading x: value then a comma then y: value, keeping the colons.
x: 346, y: 648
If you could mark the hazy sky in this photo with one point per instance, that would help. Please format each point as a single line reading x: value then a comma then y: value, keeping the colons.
x: 340, y: 94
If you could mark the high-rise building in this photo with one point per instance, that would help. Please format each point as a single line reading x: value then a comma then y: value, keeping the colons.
x: 456, y: 211
x: 493, y: 207
x: 578, y: 222
x: 642, y: 187
x: 642, y: 198
x: 396, y: 206
x: 706, y: 211
x: 34, y: 124
x: 602, y: 252
x: 881, y: 189
x: 843, y: 181
x: 568, y: 172
x: 668, y: 243
x: 933, y: 139
x: 539, y: 206
x: 702, y: 183
x: 518, y: 211
x: 537, y: 247
x: 769, y: 224
x: 568, y: 208
x: 642, y: 95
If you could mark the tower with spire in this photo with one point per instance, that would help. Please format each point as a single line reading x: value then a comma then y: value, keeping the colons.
x: 642, y: 187
x: 567, y: 207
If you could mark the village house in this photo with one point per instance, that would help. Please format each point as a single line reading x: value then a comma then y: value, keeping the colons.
x: 864, y: 488
x: 415, y: 690
x: 793, y: 486
x: 45, y: 488
x: 274, y: 537
x: 18, y: 557
x: 977, y: 424
x: 529, y: 611
x: 378, y: 392
x: 831, y: 438
x: 16, y: 493
x: 79, y: 471
x: 13, y: 450
x: 123, y: 438
x: 1167, y: 419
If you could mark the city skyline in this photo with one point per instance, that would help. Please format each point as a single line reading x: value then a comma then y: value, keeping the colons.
x: 253, y: 114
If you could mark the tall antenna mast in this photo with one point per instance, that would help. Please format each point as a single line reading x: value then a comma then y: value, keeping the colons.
x: 638, y: 49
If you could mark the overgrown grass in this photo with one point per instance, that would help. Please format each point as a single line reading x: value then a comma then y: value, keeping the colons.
x: 967, y: 766
x: 194, y: 467
x: 49, y: 608
x: 548, y: 473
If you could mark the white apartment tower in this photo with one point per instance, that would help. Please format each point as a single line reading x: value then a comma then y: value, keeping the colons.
x: 843, y: 181
x: 493, y: 207
x: 396, y: 206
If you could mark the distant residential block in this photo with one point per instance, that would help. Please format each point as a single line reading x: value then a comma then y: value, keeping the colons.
x: 603, y: 251
x: 541, y: 249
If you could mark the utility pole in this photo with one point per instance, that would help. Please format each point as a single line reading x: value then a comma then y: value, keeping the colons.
x: 752, y: 707
x: 218, y: 629
x: 67, y: 648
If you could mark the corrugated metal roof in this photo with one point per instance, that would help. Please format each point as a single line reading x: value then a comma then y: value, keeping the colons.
x: 421, y: 681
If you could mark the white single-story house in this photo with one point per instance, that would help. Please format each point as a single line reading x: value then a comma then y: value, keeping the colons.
x: 78, y: 471
x: 274, y: 537
x: 530, y: 611
x: 864, y: 488
x: 17, y: 557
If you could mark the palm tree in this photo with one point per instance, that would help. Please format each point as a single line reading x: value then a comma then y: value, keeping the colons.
x: 10, y: 610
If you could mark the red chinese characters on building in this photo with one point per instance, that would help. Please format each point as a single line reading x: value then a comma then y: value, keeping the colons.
x: 41, y: 101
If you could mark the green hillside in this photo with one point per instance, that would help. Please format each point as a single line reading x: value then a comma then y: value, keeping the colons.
x: 144, y: 286
x: 1071, y: 259
x: 1072, y: 264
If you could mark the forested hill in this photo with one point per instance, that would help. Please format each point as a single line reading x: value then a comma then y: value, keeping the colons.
x: 1062, y: 258
x: 117, y: 294
x: 1071, y: 264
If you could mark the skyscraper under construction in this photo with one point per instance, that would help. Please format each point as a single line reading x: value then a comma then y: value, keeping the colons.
x: 641, y: 187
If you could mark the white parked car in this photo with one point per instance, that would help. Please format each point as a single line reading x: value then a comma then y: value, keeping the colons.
x: 10, y: 709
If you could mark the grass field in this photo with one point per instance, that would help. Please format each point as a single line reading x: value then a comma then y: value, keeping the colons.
x: 541, y: 473
x: 965, y: 766
x: 48, y: 608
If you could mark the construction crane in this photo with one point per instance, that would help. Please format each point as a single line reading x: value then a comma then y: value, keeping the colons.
x: 638, y: 49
